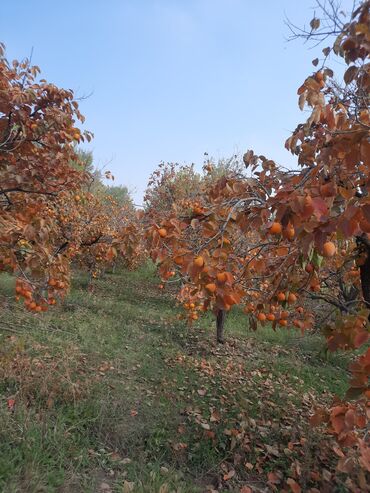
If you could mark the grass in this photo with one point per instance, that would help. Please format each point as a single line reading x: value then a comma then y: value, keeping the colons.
x: 113, y: 393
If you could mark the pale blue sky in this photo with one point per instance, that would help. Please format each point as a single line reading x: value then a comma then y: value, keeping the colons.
x: 169, y: 79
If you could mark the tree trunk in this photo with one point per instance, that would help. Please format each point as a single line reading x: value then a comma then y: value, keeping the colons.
x: 365, y: 276
x: 220, y: 323
x: 349, y: 293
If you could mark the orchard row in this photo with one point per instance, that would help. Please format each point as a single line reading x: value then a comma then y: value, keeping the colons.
x: 287, y: 246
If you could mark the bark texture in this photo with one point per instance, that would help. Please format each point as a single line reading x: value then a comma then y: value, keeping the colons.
x: 220, y: 325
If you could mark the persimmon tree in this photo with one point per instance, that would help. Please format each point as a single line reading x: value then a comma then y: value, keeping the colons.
x: 51, y: 215
x: 275, y: 238
x: 99, y: 226
x: 334, y: 146
x: 38, y: 135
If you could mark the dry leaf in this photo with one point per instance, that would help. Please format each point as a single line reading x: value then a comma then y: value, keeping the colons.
x: 229, y: 475
x: 294, y: 486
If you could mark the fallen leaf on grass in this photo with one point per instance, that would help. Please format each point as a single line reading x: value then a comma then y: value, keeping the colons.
x: 272, y: 450
x: 104, y: 487
x: 179, y: 446
x: 215, y: 417
x: 338, y: 451
x: 294, y: 486
x: 273, y: 478
x: 115, y: 456
x: 164, y: 488
x: 128, y: 487
x: 11, y: 404
x: 181, y: 429
x: 229, y: 475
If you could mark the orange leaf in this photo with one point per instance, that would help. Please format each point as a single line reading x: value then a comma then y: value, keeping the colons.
x: 273, y: 477
x: 294, y: 486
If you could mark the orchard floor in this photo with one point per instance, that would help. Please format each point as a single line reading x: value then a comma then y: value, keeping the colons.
x: 110, y: 392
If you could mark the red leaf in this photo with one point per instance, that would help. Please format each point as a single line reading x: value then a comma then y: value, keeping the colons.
x: 366, y: 211
x: 350, y: 419
x: 338, y: 423
x: 320, y: 207
x: 11, y: 404
x: 273, y: 478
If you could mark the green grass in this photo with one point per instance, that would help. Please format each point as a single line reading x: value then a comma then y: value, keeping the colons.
x: 134, y: 414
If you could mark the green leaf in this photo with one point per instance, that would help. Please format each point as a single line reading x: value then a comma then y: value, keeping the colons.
x: 317, y: 259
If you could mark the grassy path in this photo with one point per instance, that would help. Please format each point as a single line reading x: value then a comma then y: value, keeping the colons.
x: 112, y: 393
